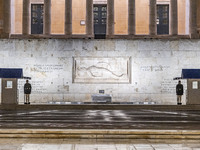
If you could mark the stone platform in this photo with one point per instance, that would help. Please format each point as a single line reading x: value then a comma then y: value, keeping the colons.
x: 101, y: 121
x: 97, y: 144
x: 100, y: 134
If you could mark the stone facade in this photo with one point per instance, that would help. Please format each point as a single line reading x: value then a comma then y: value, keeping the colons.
x: 198, y: 16
x: 1, y: 16
x: 50, y: 63
x: 120, y: 13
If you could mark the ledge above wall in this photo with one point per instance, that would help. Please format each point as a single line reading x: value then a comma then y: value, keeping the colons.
x: 57, y: 36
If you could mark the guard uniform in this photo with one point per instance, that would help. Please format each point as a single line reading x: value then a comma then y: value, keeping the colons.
x: 179, y: 92
x: 27, y: 92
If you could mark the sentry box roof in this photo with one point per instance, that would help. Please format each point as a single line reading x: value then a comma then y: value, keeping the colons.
x: 12, y: 73
x: 189, y: 74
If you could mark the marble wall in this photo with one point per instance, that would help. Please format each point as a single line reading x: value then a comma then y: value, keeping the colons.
x: 148, y: 68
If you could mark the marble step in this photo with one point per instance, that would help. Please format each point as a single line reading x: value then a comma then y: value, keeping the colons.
x: 99, y: 134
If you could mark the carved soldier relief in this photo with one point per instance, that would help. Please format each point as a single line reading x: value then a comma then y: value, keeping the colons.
x: 102, y: 70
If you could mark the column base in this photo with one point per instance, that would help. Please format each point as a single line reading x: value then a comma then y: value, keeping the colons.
x: 89, y: 36
x: 5, y: 35
x: 110, y: 36
x: 195, y: 36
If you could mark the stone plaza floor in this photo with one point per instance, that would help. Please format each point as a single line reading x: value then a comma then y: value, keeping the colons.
x: 140, y: 118
x: 133, y: 123
x: 106, y: 144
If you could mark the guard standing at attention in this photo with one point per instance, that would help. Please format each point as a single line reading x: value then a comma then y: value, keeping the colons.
x: 27, y: 92
x: 179, y: 92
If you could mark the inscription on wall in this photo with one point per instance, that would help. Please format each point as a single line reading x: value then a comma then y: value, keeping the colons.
x: 40, y: 87
x: 37, y: 86
x: 154, y: 68
x: 168, y: 86
x: 46, y: 78
x: 101, y: 70
x: 47, y: 68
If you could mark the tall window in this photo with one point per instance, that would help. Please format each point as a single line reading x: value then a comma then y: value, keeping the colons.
x: 162, y: 19
x: 100, y: 16
x: 37, y: 13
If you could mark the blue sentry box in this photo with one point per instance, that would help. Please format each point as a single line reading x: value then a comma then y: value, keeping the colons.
x: 190, y: 73
x: 11, y: 73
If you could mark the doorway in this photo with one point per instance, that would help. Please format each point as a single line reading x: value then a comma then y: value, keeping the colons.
x: 162, y: 19
x: 100, y: 19
x: 37, y: 14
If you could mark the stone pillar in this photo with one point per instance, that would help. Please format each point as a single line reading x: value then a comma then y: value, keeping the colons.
x: 110, y: 17
x: 174, y: 17
x: 152, y: 17
x: 89, y: 18
x: 25, y: 19
x: 68, y: 17
x: 193, y: 19
x: 131, y: 17
x: 47, y: 17
x: 6, y: 18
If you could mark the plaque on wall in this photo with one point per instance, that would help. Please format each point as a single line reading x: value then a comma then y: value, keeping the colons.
x: 102, y: 70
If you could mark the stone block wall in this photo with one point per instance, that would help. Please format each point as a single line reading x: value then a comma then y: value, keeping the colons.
x: 73, y: 70
x: 1, y: 16
x: 57, y: 16
x: 198, y: 16
x: 182, y: 19
x: 78, y: 16
x: 121, y: 16
x: 142, y: 16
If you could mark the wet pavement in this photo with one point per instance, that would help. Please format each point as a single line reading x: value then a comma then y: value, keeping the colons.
x: 101, y: 119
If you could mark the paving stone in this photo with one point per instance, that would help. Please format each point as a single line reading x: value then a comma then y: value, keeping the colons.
x: 101, y: 119
x: 116, y: 144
